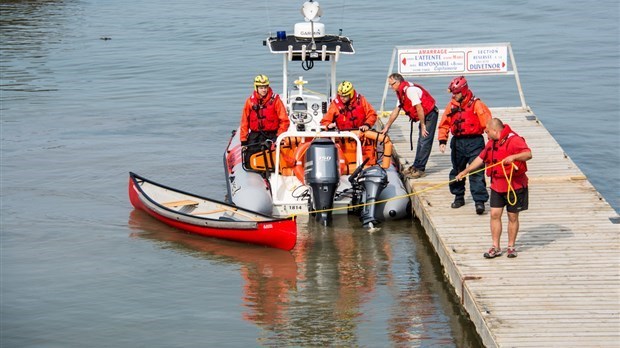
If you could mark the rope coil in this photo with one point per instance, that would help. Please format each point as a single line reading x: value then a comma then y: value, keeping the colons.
x: 511, y: 190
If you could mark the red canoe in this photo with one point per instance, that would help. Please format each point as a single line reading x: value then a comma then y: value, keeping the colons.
x: 209, y: 217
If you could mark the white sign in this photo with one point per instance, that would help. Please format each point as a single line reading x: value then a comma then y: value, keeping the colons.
x: 442, y: 60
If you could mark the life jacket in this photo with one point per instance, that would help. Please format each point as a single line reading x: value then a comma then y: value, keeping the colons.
x: 351, y: 115
x: 496, y: 151
x: 463, y: 120
x: 428, y: 102
x: 263, y: 116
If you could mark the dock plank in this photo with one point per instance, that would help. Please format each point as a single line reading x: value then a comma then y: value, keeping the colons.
x: 564, y: 288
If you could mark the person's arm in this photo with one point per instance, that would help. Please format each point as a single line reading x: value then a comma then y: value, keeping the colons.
x: 522, y: 156
x: 284, y: 122
x: 421, y: 115
x: 519, y: 151
x: 244, y: 125
x: 483, y: 113
x: 414, y: 94
x: 475, y: 164
x: 391, y: 120
x: 328, y: 119
x: 444, y: 129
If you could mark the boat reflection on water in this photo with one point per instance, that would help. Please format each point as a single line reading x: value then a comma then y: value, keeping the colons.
x: 269, y: 273
x: 340, y: 264
x: 340, y: 286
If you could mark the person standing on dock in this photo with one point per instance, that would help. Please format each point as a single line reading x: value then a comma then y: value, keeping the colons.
x: 509, y: 183
x: 263, y: 118
x: 419, y: 105
x: 465, y: 117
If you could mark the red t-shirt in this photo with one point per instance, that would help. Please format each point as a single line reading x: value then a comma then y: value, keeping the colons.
x: 495, y: 151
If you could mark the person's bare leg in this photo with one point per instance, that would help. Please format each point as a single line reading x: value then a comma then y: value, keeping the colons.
x: 496, y: 226
x: 513, y: 228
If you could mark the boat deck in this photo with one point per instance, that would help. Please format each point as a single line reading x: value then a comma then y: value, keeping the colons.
x: 564, y: 287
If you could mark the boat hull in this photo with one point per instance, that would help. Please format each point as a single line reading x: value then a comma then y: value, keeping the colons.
x: 267, y: 231
x: 245, y: 189
x: 395, y: 200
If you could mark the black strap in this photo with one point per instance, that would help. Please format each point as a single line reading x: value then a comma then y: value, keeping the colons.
x: 411, y: 133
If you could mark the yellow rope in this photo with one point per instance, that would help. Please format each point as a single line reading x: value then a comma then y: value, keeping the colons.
x: 397, y: 197
x: 511, y: 190
x: 388, y: 113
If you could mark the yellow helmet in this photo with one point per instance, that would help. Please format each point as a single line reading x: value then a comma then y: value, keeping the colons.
x: 261, y: 80
x: 345, y: 89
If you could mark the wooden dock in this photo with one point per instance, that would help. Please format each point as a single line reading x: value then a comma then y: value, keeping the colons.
x: 564, y: 287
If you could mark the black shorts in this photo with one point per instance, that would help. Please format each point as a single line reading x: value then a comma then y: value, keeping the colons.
x: 500, y: 200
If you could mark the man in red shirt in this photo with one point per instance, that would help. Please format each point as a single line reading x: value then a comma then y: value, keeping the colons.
x: 509, y: 183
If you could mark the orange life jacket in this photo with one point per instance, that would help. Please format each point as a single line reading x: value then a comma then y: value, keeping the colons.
x: 463, y: 119
x: 428, y: 102
x: 263, y: 116
x: 351, y: 115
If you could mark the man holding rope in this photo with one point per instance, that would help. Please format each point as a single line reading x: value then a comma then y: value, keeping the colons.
x: 509, y: 183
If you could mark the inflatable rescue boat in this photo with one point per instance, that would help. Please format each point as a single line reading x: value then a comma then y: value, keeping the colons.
x: 310, y: 170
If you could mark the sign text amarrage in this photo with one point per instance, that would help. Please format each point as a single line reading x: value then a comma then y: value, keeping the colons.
x: 453, y: 60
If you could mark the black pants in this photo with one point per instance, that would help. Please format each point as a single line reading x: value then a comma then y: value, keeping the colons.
x: 257, y: 141
x: 425, y: 145
x: 463, y: 152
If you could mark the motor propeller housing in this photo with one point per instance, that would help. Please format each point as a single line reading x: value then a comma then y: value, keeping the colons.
x: 372, y: 180
x: 322, y: 176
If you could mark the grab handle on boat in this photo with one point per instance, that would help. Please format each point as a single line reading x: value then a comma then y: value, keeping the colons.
x: 289, y: 55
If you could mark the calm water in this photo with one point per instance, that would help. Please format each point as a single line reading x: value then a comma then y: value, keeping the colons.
x: 80, y: 268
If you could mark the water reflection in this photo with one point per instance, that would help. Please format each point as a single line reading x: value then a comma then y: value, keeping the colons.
x: 269, y: 274
x: 340, y: 286
x: 29, y: 28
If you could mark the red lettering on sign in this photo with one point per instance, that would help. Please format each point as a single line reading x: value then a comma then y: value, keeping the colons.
x: 434, y: 51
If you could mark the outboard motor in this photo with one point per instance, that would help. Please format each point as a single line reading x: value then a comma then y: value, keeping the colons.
x: 373, y: 180
x: 321, y: 175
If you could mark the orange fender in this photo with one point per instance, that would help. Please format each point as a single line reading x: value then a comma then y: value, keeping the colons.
x: 300, y: 152
x: 379, y: 138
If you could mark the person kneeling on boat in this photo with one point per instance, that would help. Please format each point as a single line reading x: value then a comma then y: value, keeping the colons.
x: 351, y: 110
x: 263, y: 118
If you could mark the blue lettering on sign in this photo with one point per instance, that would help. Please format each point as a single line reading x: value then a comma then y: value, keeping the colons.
x: 484, y: 66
